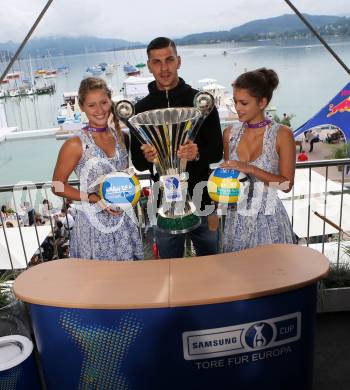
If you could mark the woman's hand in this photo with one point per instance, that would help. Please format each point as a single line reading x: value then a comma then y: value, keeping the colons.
x: 113, y: 212
x: 241, y: 166
x: 95, y: 198
x: 149, y: 152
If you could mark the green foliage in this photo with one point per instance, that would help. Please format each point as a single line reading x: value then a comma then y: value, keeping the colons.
x: 276, y: 118
x: 339, y: 275
x: 6, y: 295
x: 283, y: 121
x: 341, y: 152
x: 346, y: 249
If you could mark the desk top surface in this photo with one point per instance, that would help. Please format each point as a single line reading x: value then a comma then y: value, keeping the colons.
x: 252, y: 273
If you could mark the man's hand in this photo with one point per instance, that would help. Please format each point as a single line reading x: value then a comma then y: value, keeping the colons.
x: 188, y: 151
x: 149, y: 152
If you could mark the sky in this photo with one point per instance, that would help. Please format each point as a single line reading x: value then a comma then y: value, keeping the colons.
x: 141, y: 20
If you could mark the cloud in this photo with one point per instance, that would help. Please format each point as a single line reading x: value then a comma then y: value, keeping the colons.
x: 141, y: 20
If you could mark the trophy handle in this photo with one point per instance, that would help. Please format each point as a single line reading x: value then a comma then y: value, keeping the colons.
x: 204, y: 102
x: 124, y: 110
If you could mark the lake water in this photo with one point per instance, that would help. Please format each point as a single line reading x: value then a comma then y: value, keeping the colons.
x: 309, y: 78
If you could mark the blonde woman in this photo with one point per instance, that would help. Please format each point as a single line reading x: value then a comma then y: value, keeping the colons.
x: 98, y: 232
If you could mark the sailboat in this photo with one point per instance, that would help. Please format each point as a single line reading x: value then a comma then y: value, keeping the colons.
x: 130, y: 70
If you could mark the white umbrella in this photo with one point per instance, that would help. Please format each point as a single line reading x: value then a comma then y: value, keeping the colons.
x: 207, y: 81
x: 213, y: 87
x: 70, y: 113
x: 76, y: 105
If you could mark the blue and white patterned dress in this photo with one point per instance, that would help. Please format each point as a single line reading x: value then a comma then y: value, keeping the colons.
x: 259, y: 217
x: 97, y: 234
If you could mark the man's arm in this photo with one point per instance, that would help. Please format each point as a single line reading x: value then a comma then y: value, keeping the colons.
x: 209, y: 139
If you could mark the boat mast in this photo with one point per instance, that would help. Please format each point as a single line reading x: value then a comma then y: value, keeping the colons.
x: 42, y: 13
x: 318, y: 36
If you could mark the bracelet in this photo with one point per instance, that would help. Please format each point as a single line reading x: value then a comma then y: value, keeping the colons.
x: 197, y: 157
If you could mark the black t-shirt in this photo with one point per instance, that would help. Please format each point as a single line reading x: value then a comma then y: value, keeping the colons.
x: 208, y: 139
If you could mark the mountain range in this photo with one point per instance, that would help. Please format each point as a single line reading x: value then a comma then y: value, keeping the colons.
x: 284, y: 26
x: 69, y: 45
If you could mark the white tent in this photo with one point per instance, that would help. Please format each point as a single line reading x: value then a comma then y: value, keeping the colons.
x: 226, y: 114
x: 136, y: 86
x: 3, y: 119
x: 213, y: 87
x: 318, y: 184
x: 300, y: 219
x: 15, y: 245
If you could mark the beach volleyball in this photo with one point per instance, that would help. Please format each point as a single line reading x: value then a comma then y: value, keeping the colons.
x: 120, y: 190
x: 224, y: 185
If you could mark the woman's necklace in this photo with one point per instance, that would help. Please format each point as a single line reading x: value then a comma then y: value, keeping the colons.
x: 258, y: 125
x: 95, y: 129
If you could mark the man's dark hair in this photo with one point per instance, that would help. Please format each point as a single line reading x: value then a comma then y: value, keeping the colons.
x: 160, y: 43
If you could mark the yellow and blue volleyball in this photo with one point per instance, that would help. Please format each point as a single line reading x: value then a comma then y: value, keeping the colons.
x: 119, y: 189
x: 224, y: 185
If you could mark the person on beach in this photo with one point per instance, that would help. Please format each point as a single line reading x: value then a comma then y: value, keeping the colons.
x: 264, y: 150
x: 99, y: 232
x: 312, y: 137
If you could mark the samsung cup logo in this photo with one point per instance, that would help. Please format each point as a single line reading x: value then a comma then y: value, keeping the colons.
x: 259, y: 335
x: 242, y: 338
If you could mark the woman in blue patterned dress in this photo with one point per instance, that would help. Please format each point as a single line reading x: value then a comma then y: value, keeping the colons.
x: 99, y: 232
x: 264, y: 150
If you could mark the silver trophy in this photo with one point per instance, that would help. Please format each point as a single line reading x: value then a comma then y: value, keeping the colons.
x: 166, y: 130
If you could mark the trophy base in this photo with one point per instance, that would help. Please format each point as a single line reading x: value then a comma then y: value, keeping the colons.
x: 178, y: 225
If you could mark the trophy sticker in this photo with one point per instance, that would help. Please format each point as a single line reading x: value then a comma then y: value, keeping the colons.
x: 120, y: 190
x: 172, y: 188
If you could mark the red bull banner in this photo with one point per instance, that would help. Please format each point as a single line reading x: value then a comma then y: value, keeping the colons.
x: 335, y: 113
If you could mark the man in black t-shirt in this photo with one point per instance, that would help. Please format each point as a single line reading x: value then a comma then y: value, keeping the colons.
x: 169, y: 90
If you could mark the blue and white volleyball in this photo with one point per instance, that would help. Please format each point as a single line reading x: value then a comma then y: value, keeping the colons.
x: 225, y: 185
x: 119, y: 189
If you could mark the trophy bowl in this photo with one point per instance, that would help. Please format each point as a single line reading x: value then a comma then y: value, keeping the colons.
x: 166, y: 130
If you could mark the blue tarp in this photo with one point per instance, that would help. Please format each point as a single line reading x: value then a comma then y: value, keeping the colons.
x: 335, y: 113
